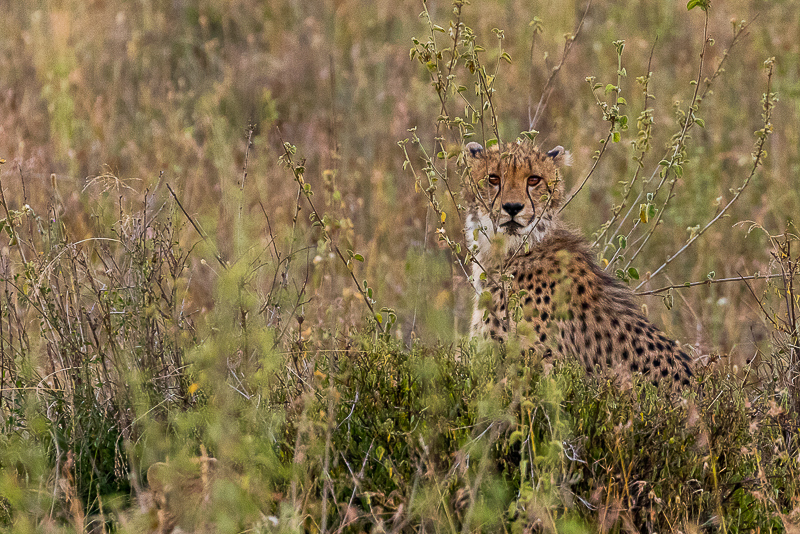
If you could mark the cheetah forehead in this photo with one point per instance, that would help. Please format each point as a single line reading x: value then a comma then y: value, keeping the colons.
x: 516, y: 158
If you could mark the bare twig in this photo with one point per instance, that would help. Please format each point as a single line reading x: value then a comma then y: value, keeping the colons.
x: 196, y: 227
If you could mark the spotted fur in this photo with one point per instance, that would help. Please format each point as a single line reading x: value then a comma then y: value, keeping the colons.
x: 538, y: 280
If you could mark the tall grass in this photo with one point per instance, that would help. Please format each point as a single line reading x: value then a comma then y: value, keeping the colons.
x: 231, y: 301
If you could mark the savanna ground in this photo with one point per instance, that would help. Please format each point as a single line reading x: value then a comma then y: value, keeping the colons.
x: 232, y: 255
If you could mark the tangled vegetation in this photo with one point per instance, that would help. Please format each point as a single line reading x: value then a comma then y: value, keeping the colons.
x: 245, y: 321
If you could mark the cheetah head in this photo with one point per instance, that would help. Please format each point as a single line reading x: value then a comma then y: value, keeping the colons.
x: 514, y: 190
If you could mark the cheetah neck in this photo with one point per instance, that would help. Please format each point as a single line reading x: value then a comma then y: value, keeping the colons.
x: 491, y: 247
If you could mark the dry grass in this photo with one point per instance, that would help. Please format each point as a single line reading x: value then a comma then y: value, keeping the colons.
x: 167, y: 285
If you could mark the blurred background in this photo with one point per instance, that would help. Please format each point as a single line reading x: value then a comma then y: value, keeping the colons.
x: 111, y: 100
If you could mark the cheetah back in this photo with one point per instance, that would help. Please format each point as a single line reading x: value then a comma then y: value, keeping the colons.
x: 569, y: 306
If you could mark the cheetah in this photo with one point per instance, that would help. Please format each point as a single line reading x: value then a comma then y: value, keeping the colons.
x: 536, y: 278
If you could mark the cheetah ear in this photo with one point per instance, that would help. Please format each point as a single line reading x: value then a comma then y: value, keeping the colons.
x: 560, y: 156
x: 473, y: 151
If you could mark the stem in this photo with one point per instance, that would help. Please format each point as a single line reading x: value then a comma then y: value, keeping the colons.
x: 644, y: 147
x: 241, y: 187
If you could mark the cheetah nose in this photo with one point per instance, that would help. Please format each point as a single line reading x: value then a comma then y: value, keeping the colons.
x: 512, y: 208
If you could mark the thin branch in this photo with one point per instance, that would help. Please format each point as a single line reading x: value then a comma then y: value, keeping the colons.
x: 591, y: 171
x: 709, y: 282
x: 250, y: 130
x: 196, y: 227
x: 644, y: 147
x: 679, y: 145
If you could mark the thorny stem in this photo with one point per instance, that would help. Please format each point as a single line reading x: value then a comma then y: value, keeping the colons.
x: 689, y: 120
x: 197, y: 229
x: 610, y: 113
x: 442, y: 80
x: 10, y: 222
x: 433, y: 203
x: 591, y: 171
x: 442, y: 83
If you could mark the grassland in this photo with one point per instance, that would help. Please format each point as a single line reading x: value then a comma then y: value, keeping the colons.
x: 230, y: 238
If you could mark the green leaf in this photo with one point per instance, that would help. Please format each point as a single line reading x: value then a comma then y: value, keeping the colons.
x: 700, y: 122
x: 358, y: 257
x: 623, y: 241
x: 702, y: 4
x: 616, y: 137
x: 633, y: 273
x: 491, y: 143
x: 610, y: 87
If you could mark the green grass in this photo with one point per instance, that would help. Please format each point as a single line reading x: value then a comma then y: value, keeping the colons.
x: 213, y: 246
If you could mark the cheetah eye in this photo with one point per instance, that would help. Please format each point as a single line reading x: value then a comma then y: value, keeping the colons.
x: 534, y: 180
x: 494, y: 179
